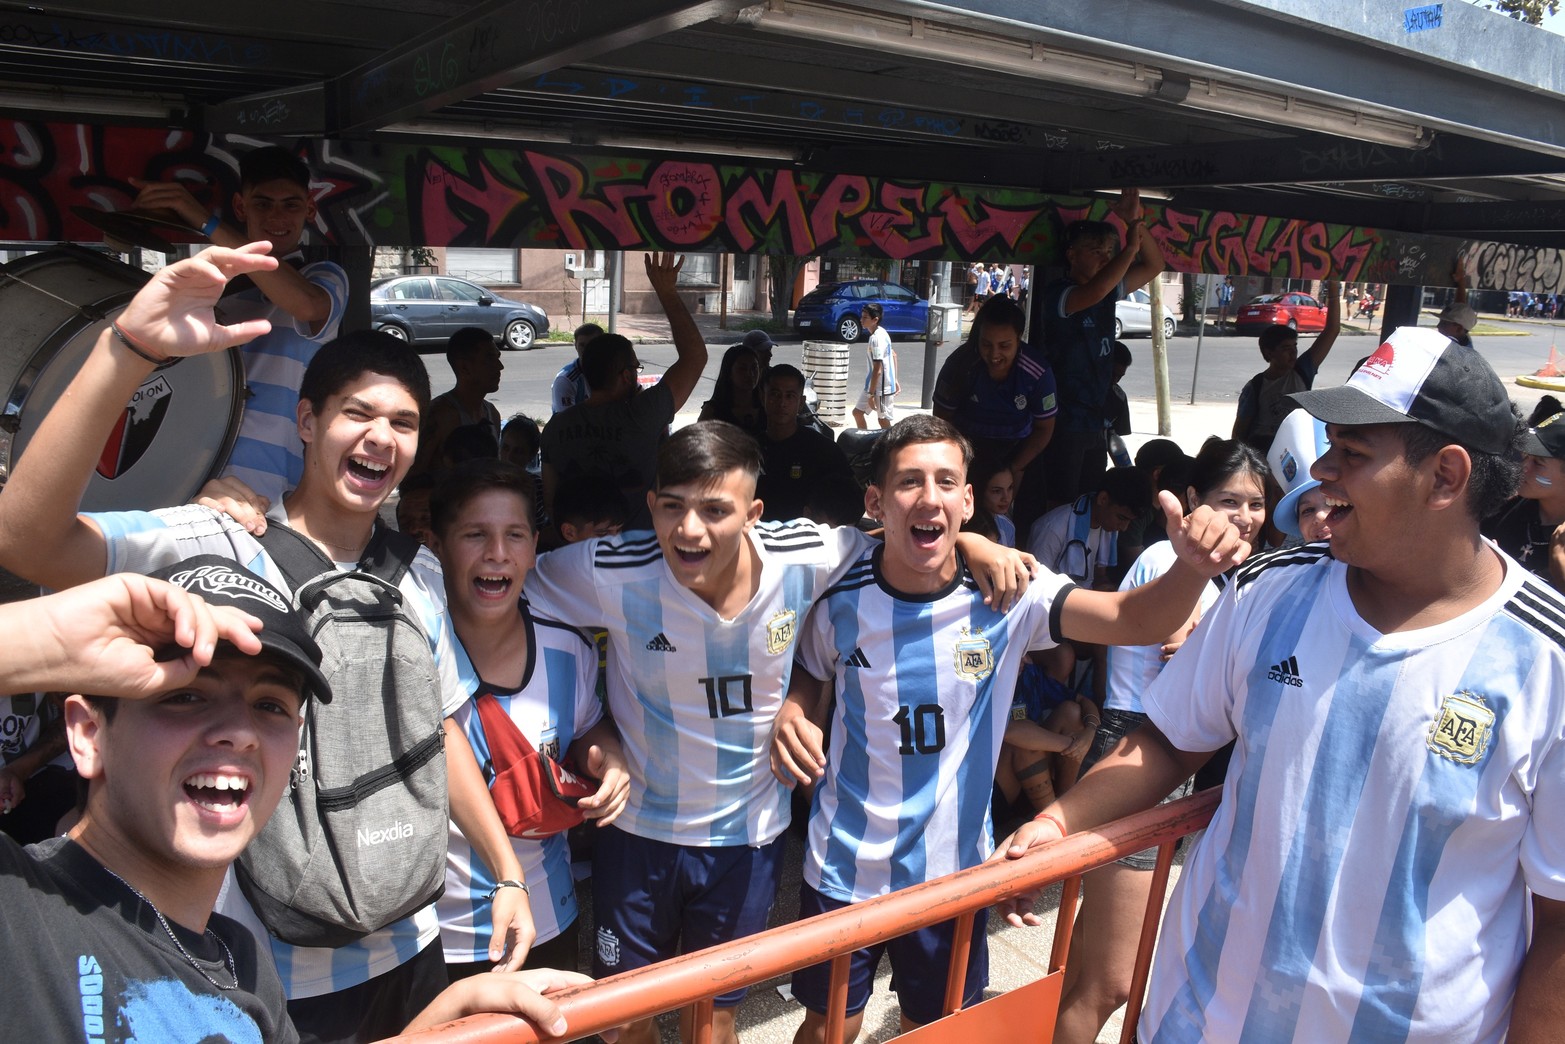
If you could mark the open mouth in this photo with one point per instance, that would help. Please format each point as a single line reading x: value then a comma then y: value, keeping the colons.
x: 218, y: 791
x: 492, y: 586
x: 367, y: 470
x: 1336, y: 510
x: 691, y: 556
x: 926, y: 534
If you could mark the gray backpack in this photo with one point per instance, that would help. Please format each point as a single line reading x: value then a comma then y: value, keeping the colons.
x: 359, y: 839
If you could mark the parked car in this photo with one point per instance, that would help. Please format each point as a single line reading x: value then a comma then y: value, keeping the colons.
x: 429, y: 309
x: 1294, y: 310
x: 1133, y: 315
x: 833, y: 309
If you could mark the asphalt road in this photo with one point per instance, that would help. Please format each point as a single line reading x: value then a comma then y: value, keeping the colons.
x: 1226, y: 362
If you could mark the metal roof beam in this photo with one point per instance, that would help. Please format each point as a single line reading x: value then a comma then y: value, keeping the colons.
x: 495, y: 45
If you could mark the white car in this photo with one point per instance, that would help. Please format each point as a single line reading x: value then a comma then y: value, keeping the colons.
x: 1133, y: 315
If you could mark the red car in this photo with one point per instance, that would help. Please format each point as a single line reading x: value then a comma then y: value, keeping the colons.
x: 1294, y: 310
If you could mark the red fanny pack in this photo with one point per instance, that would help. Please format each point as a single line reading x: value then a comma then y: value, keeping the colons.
x: 535, y: 795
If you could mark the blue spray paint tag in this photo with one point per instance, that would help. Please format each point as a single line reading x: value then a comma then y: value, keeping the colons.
x: 1418, y: 19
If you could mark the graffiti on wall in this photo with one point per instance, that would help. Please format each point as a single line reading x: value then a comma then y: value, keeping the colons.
x: 415, y: 195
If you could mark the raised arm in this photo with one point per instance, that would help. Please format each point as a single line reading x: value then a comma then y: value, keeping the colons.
x: 1148, y: 263
x: 681, y: 378
x: 41, y: 536
x: 1207, y: 544
x: 1328, y: 337
x: 283, y: 286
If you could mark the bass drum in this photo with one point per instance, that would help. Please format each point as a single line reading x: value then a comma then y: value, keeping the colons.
x: 177, y: 430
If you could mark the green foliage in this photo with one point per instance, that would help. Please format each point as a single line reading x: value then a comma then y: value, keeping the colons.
x: 1529, y: 11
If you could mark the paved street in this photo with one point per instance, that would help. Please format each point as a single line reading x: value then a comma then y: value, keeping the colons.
x: 1226, y: 362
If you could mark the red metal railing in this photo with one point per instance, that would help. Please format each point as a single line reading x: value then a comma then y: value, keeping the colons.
x: 698, y: 977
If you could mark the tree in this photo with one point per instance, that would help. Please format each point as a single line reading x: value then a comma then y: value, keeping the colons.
x: 1529, y: 11
x: 783, y: 270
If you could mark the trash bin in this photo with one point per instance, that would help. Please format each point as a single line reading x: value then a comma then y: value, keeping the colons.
x: 826, y: 364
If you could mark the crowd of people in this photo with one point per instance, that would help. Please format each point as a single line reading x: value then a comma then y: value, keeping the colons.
x: 646, y: 639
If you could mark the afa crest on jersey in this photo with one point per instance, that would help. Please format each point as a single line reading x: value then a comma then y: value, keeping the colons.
x: 974, y: 655
x: 780, y: 630
x: 1462, y: 728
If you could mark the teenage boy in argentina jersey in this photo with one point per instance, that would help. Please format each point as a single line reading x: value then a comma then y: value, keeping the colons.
x: 1391, y: 814
x: 358, y: 419
x: 702, y: 615
x: 924, y: 674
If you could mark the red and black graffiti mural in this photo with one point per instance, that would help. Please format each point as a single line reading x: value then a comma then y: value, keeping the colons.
x: 419, y: 195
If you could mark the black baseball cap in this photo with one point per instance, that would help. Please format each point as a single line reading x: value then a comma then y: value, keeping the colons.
x: 758, y: 341
x: 1421, y: 376
x: 1547, y: 438
x: 220, y: 581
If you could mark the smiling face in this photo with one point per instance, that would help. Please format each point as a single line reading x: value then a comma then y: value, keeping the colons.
x: 1241, y: 497
x: 486, y: 552
x: 276, y: 211
x: 998, y: 344
x: 998, y: 493
x: 701, y: 528
x: 1370, y: 490
x: 360, y: 444
x: 922, y: 503
x: 1313, y: 511
x: 184, y: 780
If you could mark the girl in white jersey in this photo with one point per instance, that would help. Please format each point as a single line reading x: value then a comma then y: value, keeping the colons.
x: 543, y: 676
x: 1229, y: 477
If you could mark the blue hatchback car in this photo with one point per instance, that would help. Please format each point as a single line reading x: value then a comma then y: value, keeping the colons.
x: 832, y: 309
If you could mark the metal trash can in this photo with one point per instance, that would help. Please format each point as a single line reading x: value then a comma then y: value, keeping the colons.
x: 826, y: 364
x: 945, y: 322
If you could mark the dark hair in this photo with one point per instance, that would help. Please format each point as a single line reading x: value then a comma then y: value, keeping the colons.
x: 587, y: 330
x: 1495, y: 476
x: 529, y: 427
x: 1547, y: 407
x: 982, y: 470
x: 912, y: 431
x: 420, y: 483
x: 1122, y: 356
x: 1218, y: 460
x: 345, y: 359
x: 723, y: 387
x: 467, y: 343
x: 470, y: 442
x: 1157, y: 453
x: 1272, y: 336
x: 982, y: 522
x: 786, y: 372
x: 272, y: 163
x: 460, y: 484
x: 1129, y: 488
x: 604, y: 358
x: 1096, y: 232
x: 705, y: 452
x: 1000, y: 311
x: 581, y: 500
x: 871, y: 309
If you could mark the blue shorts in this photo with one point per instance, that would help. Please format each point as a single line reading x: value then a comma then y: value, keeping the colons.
x: 653, y: 900
x: 919, y: 964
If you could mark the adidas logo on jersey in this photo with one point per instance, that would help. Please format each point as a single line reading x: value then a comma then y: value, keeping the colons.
x: 1287, y: 672
x: 858, y: 659
x: 661, y: 644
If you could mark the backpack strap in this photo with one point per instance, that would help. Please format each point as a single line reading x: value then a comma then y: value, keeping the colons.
x: 389, y: 554
x: 295, y: 554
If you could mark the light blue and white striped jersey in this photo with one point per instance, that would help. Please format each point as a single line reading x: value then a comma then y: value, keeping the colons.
x: 555, y: 705
x: 695, y: 695
x: 924, y: 686
x: 268, y: 456
x: 1065, y: 540
x: 1132, y: 667
x: 141, y: 541
x: 1365, y: 877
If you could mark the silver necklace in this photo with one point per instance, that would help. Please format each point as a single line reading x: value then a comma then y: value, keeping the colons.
x: 228, y: 957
